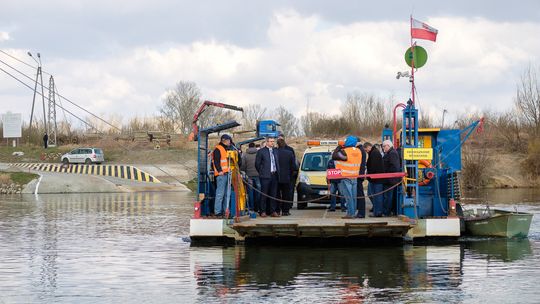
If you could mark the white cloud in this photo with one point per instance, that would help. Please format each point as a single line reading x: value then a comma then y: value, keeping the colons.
x: 475, y: 63
x: 4, y: 36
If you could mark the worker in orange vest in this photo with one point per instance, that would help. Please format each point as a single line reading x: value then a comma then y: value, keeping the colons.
x: 348, y: 160
x: 221, y: 166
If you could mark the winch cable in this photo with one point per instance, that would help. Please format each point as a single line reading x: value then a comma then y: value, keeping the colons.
x: 316, y: 199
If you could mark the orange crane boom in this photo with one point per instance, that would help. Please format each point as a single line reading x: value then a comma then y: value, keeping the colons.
x: 193, y: 136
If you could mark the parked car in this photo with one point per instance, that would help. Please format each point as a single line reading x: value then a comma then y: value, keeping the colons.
x: 312, y: 183
x: 83, y: 155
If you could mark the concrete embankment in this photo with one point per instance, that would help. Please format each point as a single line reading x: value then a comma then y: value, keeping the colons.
x: 65, y: 182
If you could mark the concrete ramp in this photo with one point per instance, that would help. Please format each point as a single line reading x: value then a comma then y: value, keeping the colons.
x: 118, y: 171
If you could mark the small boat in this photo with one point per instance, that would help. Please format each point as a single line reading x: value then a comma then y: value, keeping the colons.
x: 497, y: 223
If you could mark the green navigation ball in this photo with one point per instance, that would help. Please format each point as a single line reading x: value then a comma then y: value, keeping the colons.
x: 420, y: 57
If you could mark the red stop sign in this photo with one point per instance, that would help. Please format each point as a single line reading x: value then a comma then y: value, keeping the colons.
x: 333, y: 173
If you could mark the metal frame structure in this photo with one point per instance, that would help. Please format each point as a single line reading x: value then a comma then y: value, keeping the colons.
x: 52, y: 126
x: 205, y: 187
x: 409, y: 139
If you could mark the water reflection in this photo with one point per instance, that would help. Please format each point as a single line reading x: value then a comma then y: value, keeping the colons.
x: 402, y: 273
x: 123, y: 248
x: 501, y: 249
x: 64, y: 247
x: 504, y: 196
x: 376, y: 272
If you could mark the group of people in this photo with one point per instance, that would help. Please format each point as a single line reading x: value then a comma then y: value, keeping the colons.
x: 270, y: 172
x: 355, y: 160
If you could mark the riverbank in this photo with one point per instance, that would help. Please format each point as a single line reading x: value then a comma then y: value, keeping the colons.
x: 28, y: 180
x: 178, y: 164
x: 14, y: 182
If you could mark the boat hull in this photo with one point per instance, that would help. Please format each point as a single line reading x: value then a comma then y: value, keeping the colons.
x: 500, y: 224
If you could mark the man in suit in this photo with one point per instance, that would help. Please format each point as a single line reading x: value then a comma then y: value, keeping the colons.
x: 287, y: 167
x: 266, y: 163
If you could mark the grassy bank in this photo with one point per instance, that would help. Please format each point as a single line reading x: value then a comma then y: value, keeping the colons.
x: 32, y: 154
x: 127, y: 154
x: 18, y: 178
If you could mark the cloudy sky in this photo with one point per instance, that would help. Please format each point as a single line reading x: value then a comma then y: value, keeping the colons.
x: 120, y: 57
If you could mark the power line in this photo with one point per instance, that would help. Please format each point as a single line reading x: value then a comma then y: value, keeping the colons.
x: 23, y: 62
x: 60, y: 96
x: 83, y: 121
x: 65, y: 110
x: 28, y: 86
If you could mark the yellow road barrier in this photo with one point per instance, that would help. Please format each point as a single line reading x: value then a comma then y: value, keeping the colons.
x: 119, y: 171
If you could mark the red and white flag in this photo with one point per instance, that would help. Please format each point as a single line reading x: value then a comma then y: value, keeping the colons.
x: 420, y: 30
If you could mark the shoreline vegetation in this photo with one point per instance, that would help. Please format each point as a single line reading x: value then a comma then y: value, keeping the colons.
x: 482, y: 168
x: 506, y: 154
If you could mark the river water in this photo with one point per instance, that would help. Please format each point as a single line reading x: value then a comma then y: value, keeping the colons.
x: 129, y: 248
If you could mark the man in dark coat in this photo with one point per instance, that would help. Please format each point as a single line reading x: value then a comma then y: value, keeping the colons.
x: 45, y: 141
x: 375, y: 165
x: 248, y: 166
x: 287, y: 167
x: 266, y: 163
x: 295, y: 173
x: 334, y: 189
x: 391, y: 165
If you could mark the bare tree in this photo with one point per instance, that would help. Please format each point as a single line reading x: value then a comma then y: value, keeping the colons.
x: 287, y: 120
x: 365, y: 112
x: 307, y: 122
x: 476, y: 166
x: 180, y: 104
x: 528, y: 100
x: 508, y: 128
x: 252, y: 113
x: 426, y: 120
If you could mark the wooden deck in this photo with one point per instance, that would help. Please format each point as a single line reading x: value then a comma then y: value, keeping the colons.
x: 319, y: 223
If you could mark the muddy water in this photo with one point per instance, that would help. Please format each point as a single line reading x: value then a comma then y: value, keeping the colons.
x: 123, y: 248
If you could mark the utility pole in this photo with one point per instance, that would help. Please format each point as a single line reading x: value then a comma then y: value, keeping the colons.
x: 443, y: 113
x: 52, y: 130
x: 39, y: 77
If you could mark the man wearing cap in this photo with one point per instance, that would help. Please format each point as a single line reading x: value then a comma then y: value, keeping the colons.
x: 348, y: 160
x: 220, y: 163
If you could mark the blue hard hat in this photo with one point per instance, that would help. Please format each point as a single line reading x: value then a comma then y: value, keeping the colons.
x: 351, y: 141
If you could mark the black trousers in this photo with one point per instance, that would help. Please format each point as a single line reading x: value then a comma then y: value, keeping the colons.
x: 284, y: 193
x: 269, y: 187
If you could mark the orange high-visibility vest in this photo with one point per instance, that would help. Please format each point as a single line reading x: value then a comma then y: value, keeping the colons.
x: 351, y: 167
x: 223, y: 160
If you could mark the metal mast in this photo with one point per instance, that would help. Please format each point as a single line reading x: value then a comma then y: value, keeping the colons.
x: 52, y: 127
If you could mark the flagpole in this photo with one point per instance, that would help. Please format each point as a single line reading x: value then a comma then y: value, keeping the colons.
x: 412, y: 63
